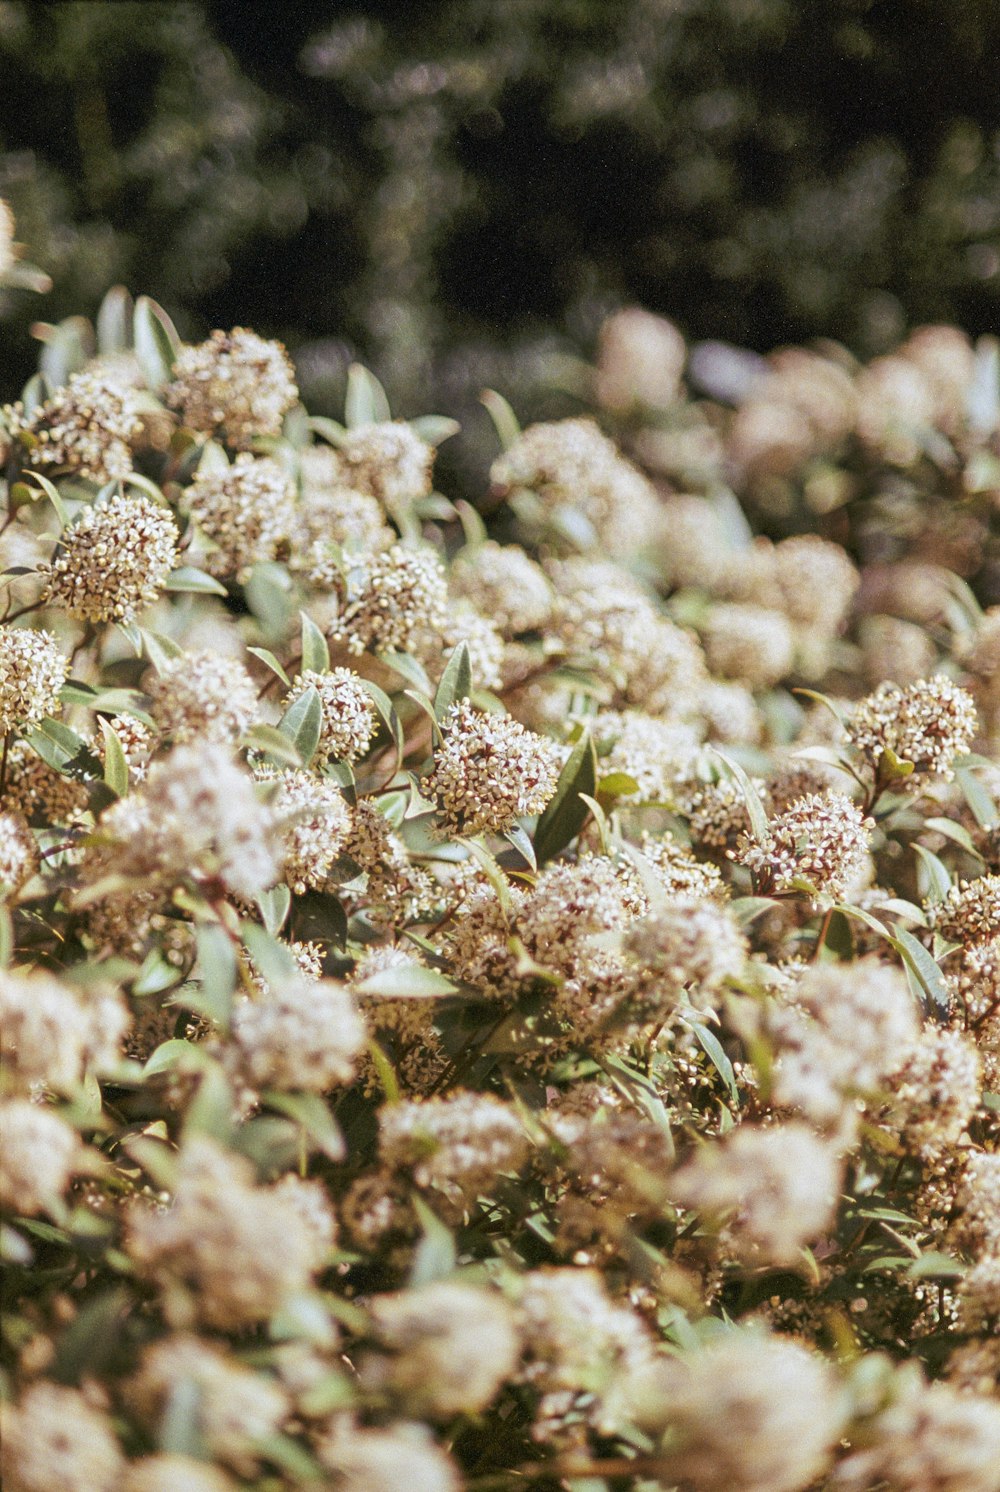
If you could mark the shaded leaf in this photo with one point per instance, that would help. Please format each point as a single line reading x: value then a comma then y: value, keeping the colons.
x: 315, y: 653
x: 311, y: 1112
x: 566, y: 813
x: 188, y: 578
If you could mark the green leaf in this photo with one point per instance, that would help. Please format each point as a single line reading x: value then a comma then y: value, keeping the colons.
x: 331, y: 430
x: 436, y: 1255
x: 266, y: 656
x: 617, y: 785
x: 315, y: 653
x: 6, y: 936
x: 938, y: 1266
x: 302, y: 722
x: 63, y: 749
x: 407, y: 982
x: 980, y: 802
x: 926, y: 971
x: 93, y: 1338
x: 715, y: 1053
x: 115, y: 763
x: 171, y: 1054
x: 274, y: 959
x: 311, y: 1112
x: 505, y: 421
x: 52, y: 493
x: 211, y: 1110
x: 219, y: 972
x: 156, y: 342
x: 456, y: 682
x: 409, y: 669
x: 566, y: 813
x: 274, y: 907
x: 956, y: 832
x: 180, y: 1426
x: 387, y: 714
x: 521, y: 841
x: 188, y: 578
x: 938, y: 879
x: 289, y: 1456
x: 473, y: 526
x: 755, y: 808
x: 161, y: 650
x: 114, y: 321
x: 366, y: 403
x: 435, y: 429
x: 213, y: 458
x: 273, y: 743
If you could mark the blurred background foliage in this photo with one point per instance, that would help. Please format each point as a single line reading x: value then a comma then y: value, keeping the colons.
x: 457, y: 191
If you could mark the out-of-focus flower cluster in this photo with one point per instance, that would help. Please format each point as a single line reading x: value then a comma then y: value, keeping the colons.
x: 510, y: 1004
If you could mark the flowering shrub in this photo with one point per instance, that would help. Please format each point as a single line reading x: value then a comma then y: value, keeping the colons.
x: 500, y: 1011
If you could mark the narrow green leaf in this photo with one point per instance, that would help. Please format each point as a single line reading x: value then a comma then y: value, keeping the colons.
x: 274, y: 959
x: 473, y: 526
x: 407, y: 982
x: 387, y: 714
x: 435, y: 428
x: 180, y: 1426
x: 52, y: 493
x: 311, y: 1112
x: 566, y: 813
x: 218, y: 968
x: 456, y: 682
x: 170, y: 1054
x: 156, y: 342
x: 115, y: 763
x: 189, y: 578
x: 331, y: 430
x: 6, y: 936
x: 302, y: 722
x: 755, y: 808
x: 436, y: 1255
x: 409, y: 669
x: 958, y: 833
x: 266, y: 656
x: 315, y: 653
x: 938, y: 1266
x: 136, y: 479
x: 715, y: 1053
x: 522, y: 843
x: 980, y: 802
x: 824, y: 699
x: 938, y: 879
x: 505, y: 421
x: 114, y: 321
x: 927, y: 972
x: 273, y: 743
x: 366, y: 403
x: 161, y: 651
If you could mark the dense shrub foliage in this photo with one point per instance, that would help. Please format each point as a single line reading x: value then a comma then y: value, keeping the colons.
x: 457, y: 190
x: 500, y: 1006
